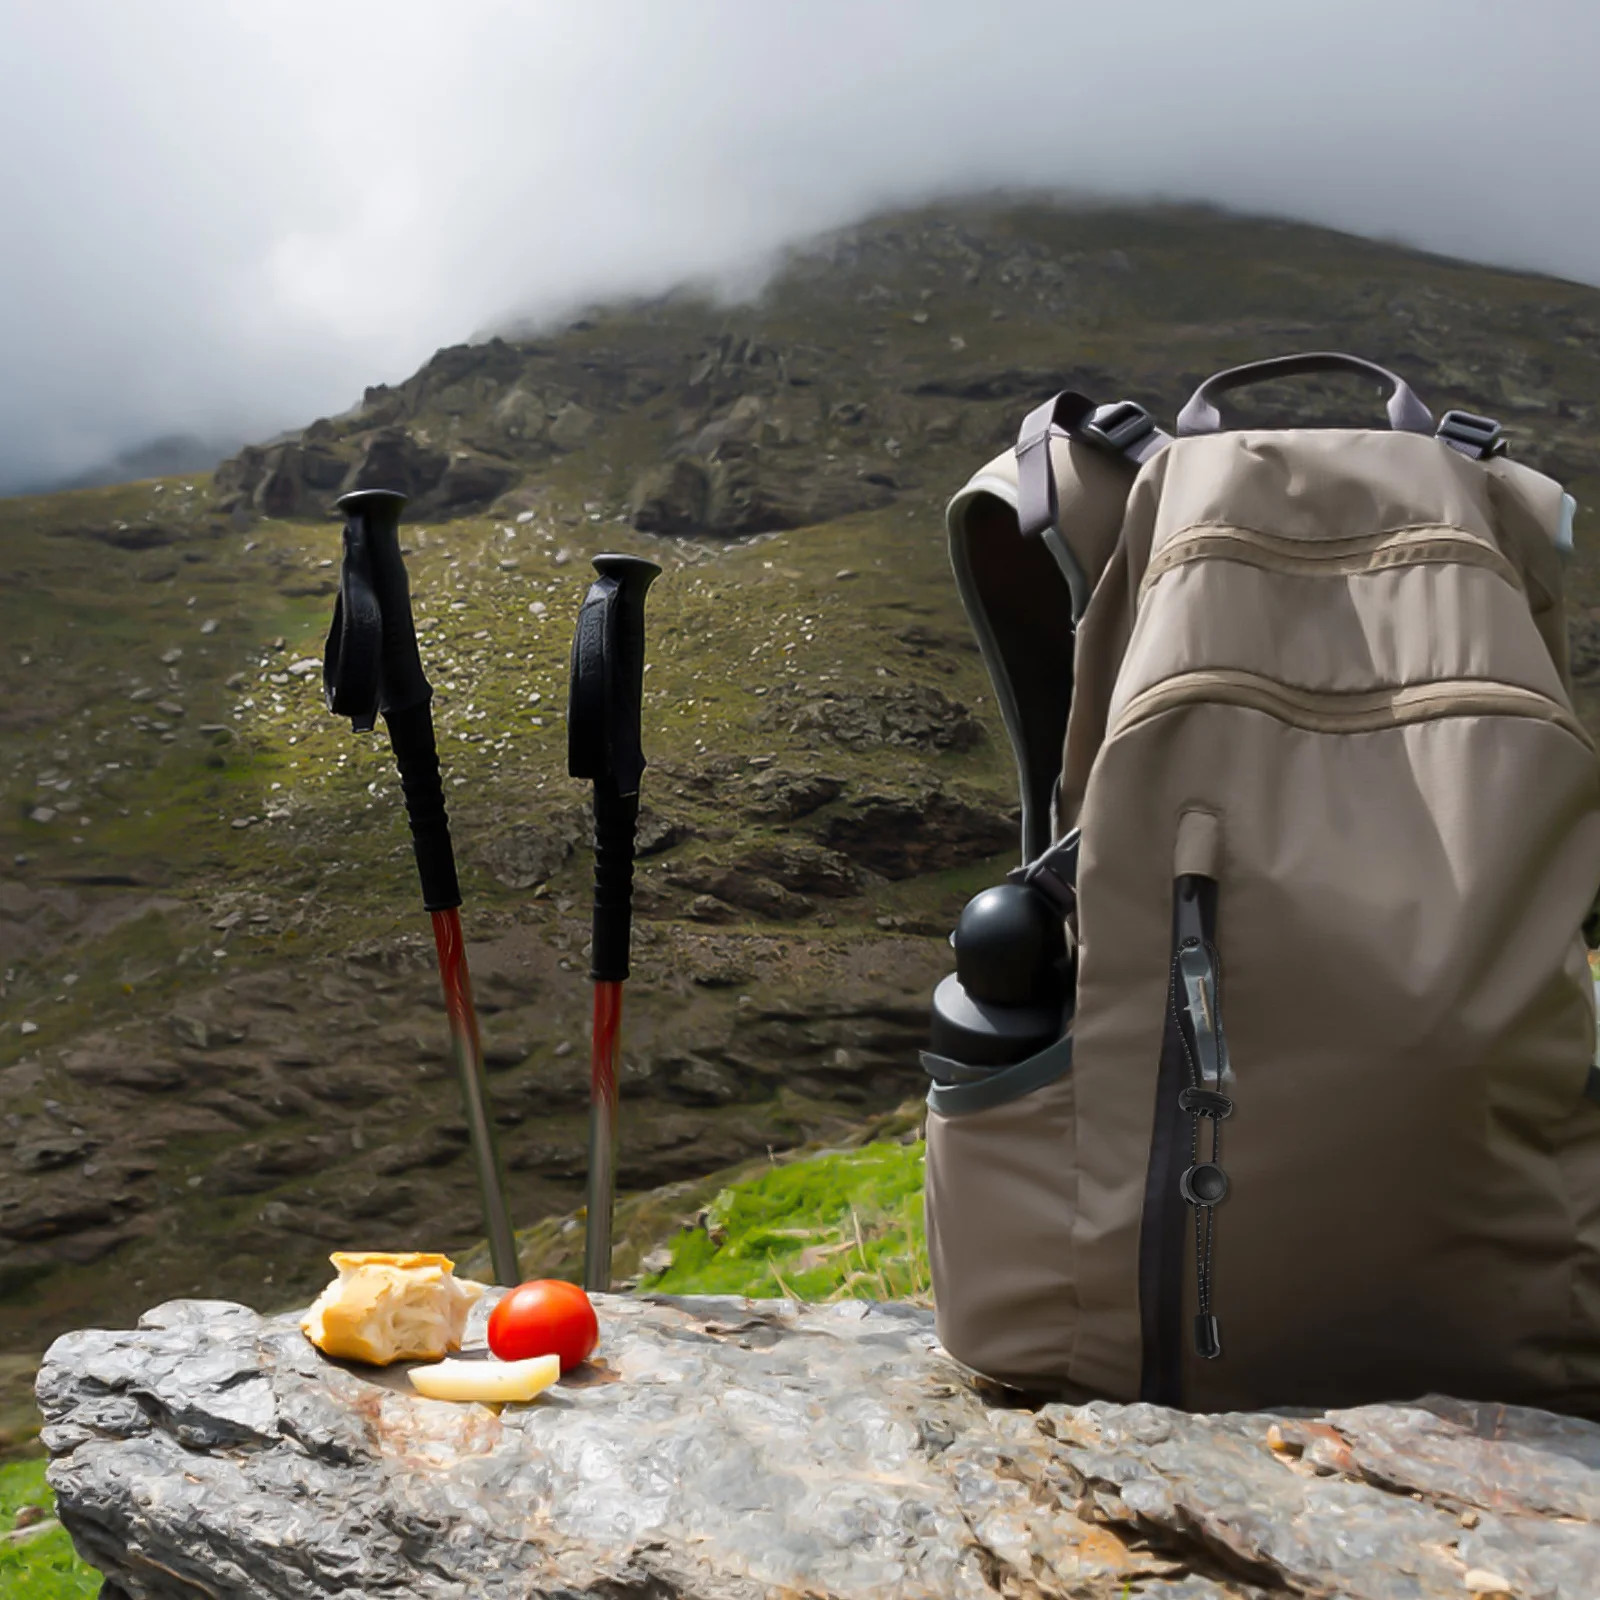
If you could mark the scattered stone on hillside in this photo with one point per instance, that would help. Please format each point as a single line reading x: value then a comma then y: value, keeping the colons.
x: 301, y: 478
x: 720, y: 971
x: 692, y: 1080
x: 527, y: 854
x: 1584, y: 648
x: 707, y: 908
x: 927, y: 830
x: 749, y: 892
x: 395, y: 458
x: 656, y: 833
x: 502, y: 1053
x: 350, y: 1084
x: 520, y: 415
x: 112, y: 1065
x: 784, y: 794
x: 81, y: 1213
x: 382, y: 407
x: 743, y: 421
x: 915, y: 715
x: 46, y: 1152
x: 742, y: 488
x: 806, y: 868
x: 674, y: 498
x: 470, y: 481
x: 745, y: 499
x: 259, y: 1165
x: 570, y: 426
x: 437, y: 1147
x: 204, y: 1031
x: 731, y: 1449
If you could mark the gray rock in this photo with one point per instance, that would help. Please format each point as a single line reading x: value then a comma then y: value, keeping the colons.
x: 728, y: 1449
x: 672, y: 498
x: 470, y: 481
x: 932, y: 830
x: 520, y: 415
x: 914, y: 715
x: 570, y: 426
x: 784, y: 794
x: 744, y: 890
x: 529, y: 854
x: 656, y: 833
x: 806, y: 869
x: 51, y: 1150
x: 394, y: 458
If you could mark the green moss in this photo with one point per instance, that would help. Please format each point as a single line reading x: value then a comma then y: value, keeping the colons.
x: 846, y: 1225
x: 43, y: 1566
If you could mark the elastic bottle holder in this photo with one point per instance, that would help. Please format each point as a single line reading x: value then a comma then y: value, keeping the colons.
x: 1007, y: 997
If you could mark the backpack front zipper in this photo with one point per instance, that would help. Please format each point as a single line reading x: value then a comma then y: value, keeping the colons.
x: 1374, y: 552
x: 1342, y: 711
x: 1194, y: 1088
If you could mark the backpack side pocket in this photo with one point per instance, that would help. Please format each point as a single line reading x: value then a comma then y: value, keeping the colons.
x: 999, y: 1201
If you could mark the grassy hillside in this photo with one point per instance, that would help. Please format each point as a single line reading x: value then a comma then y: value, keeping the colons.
x: 221, y: 1044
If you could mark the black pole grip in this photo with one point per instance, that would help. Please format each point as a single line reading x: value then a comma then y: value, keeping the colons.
x: 607, y: 683
x: 616, y: 818
x: 411, y: 735
x: 603, y: 742
x: 371, y: 662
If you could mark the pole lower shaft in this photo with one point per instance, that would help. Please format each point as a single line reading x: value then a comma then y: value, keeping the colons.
x: 467, y: 1048
x: 604, y: 1061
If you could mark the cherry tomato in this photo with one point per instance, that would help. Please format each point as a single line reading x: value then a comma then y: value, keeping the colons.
x: 546, y: 1317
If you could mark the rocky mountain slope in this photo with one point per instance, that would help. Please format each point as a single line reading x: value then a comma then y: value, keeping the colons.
x: 222, y: 1048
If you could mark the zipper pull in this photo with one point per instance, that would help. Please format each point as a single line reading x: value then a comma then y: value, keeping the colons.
x: 1199, y: 989
x: 1204, y: 1186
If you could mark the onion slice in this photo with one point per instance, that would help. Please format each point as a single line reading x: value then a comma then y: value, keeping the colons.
x: 490, y: 1382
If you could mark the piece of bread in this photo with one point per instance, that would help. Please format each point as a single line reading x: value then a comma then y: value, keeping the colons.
x: 390, y: 1306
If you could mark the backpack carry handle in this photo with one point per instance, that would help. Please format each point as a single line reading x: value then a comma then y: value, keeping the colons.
x: 1407, y: 414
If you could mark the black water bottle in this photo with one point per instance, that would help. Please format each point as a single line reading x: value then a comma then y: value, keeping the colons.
x: 1007, y: 998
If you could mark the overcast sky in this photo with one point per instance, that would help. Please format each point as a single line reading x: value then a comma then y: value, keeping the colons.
x: 230, y: 216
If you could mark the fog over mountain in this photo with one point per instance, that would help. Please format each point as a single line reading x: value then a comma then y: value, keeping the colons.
x: 225, y: 217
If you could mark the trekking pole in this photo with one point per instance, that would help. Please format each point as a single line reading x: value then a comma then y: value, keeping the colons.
x: 603, y: 744
x: 372, y: 664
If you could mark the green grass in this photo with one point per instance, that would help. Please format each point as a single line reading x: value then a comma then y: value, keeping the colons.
x: 44, y: 1567
x: 841, y: 1226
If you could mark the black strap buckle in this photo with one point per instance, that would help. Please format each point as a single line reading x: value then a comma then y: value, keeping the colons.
x: 1119, y: 426
x: 1054, y: 874
x: 1474, y: 436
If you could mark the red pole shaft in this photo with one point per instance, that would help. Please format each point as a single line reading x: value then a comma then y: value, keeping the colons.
x: 466, y: 1046
x: 603, y: 1064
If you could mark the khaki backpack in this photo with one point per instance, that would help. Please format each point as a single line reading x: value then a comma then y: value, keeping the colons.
x: 1282, y: 1090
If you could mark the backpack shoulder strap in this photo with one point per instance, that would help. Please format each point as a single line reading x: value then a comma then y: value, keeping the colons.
x: 1124, y: 429
x: 1030, y: 534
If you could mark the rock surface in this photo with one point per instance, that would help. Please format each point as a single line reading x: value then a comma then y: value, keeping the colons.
x: 727, y: 1448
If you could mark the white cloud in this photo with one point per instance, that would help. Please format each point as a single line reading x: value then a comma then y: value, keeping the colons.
x: 223, y: 215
